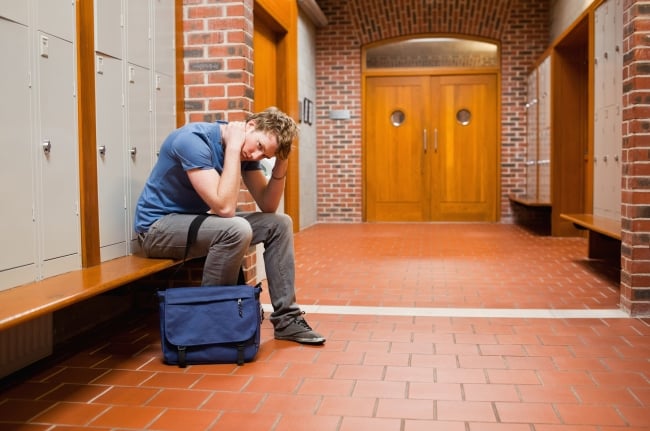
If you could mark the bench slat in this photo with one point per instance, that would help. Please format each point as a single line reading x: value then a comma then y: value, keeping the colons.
x: 603, y: 225
x: 525, y: 200
x: 27, y: 301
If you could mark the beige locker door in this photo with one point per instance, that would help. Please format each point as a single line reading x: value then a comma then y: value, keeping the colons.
x: 111, y: 157
x: 16, y: 11
x: 18, y: 261
x: 109, y: 27
x: 544, y: 124
x: 139, y: 136
x: 163, y: 39
x: 164, y: 108
x: 58, y: 213
x: 56, y: 17
x: 532, y: 136
x: 138, y: 32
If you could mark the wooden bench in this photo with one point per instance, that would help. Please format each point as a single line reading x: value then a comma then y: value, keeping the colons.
x: 604, y: 235
x: 25, y: 302
x: 531, y: 213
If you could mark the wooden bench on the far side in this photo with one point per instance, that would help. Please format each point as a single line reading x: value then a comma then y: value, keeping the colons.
x: 604, y: 235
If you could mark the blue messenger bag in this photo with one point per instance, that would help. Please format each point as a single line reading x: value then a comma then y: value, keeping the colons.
x: 209, y: 324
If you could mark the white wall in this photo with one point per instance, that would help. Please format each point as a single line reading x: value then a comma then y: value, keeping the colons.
x: 564, y: 13
x: 307, y: 137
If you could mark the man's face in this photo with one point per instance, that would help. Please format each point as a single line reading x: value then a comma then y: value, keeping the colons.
x: 258, y: 145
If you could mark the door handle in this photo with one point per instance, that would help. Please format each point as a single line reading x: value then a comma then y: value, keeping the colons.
x: 435, y: 140
x: 424, y: 140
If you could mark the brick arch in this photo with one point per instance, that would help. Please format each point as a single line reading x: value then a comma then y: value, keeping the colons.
x: 521, y: 28
x: 376, y: 20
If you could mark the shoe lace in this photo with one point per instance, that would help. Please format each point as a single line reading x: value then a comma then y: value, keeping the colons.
x: 302, y: 322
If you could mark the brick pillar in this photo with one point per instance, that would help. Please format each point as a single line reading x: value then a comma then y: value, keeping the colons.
x: 218, y: 71
x: 635, y: 208
x: 218, y: 59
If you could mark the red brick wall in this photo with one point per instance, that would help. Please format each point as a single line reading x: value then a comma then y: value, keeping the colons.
x: 218, y: 59
x: 520, y: 26
x: 635, y: 208
x: 218, y: 74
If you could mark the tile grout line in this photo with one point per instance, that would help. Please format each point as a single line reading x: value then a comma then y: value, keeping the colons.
x: 531, y: 313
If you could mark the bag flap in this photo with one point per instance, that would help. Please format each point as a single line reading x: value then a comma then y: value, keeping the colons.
x: 202, y: 315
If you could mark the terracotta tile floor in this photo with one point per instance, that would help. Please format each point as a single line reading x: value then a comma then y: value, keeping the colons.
x: 387, y: 364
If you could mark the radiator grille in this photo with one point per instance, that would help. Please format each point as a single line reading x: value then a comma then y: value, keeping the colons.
x: 25, y: 344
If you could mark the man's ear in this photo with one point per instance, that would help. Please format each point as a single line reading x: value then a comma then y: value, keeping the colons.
x: 250, y: 125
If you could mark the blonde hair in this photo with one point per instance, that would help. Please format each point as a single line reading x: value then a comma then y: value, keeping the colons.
x: 279, y: 124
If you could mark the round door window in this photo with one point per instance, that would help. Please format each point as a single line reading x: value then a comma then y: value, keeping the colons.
x: 397, y: 118
x: 463, y: 117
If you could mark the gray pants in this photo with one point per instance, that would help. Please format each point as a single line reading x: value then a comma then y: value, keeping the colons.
x: 224, y: 242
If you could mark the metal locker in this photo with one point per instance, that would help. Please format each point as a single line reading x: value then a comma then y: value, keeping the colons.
x: 138, y: 32
x: 164, y: 108
x: 58, y: 210
x: 111, y: 156
x: 163, y: 40
x: 18, y: 256
x: 532, y: 136
x: 139, y: 135
x: 109, y: 33
x: 607, y: 109
x: 544, y: 150
x: 16, y: 10
x: 56, y: 18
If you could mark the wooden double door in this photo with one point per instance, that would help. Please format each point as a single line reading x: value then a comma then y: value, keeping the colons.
x: 430, y: 148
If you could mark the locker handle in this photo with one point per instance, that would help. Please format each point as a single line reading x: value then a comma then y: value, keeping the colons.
x: 133, y: 151
x: 424, y: 140
x: 102, y: 150
x: 47, y: 146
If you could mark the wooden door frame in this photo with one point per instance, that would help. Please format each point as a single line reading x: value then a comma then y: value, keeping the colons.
x: 282, y: 17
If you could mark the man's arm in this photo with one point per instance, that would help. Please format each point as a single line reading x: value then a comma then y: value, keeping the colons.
x: 267, y: 195
x: 221, y: 192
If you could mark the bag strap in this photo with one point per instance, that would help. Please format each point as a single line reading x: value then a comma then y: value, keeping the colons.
x: 193, y: 231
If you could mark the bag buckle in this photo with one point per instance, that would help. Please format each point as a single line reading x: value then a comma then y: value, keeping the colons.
x: 181, y: 356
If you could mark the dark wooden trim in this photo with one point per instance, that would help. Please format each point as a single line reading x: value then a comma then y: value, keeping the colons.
x: 89, y: 201
x: 180, y: 72
x: 286, y: 15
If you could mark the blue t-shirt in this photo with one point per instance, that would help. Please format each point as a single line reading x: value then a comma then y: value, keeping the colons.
x: 168, y: 189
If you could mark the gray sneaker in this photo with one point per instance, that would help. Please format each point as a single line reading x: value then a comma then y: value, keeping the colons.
x: 300, y: 332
